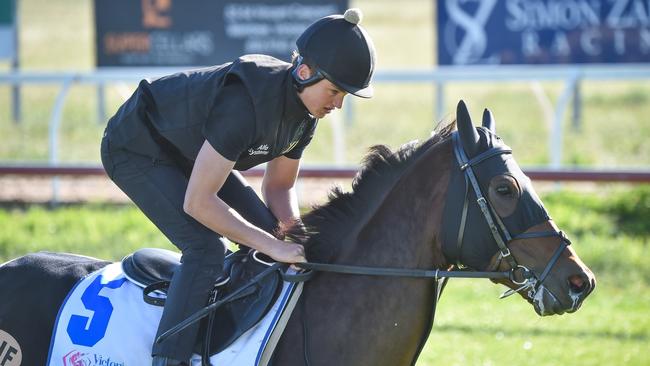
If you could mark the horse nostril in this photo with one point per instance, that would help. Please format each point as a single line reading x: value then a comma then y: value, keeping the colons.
x: 578, y: 283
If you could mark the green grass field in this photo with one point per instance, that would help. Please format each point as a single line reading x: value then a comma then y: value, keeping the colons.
x: 609, y: 225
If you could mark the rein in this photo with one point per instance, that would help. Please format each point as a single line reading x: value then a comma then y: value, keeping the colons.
x: 398, y: 272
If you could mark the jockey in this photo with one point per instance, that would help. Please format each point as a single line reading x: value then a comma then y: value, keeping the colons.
x: 176, y: 145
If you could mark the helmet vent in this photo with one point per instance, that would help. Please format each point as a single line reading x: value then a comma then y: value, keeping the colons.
x: 353, y: 15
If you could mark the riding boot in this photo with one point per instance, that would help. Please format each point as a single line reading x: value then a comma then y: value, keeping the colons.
x: 166, y: 361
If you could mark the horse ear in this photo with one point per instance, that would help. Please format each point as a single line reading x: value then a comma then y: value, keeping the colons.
x: 468, y: 135
x: 488, y: 121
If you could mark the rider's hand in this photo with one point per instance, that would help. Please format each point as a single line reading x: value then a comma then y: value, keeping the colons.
x: 286, y: 252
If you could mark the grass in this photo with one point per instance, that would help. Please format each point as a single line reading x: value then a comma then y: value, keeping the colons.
x: 473, y: 327
x: 96, y: 230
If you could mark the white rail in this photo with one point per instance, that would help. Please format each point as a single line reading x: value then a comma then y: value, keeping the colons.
x: 440, y: 76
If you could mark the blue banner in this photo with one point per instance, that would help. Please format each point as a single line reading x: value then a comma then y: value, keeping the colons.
x: 477, y: 32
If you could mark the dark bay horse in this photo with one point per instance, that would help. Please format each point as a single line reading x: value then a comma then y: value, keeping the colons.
x: 457, y: 200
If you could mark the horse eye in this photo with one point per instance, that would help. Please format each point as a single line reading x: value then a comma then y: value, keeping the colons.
x: 504, y: 190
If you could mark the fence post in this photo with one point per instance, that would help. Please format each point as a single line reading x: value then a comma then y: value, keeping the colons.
x: 101, y: 103
x: 15, y: 64
x: 577, y: 106
x: 556, y: 135
x: 53, y: 133
x: 440, y: 100
x: 338, y: 131
x: 349, y: 111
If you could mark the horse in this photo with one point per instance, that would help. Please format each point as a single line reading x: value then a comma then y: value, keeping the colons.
x: 457, y: 203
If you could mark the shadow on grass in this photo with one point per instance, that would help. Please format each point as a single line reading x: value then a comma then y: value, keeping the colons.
x: 602, y: 334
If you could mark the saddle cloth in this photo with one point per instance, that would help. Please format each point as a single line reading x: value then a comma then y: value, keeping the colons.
x: 104, y: 322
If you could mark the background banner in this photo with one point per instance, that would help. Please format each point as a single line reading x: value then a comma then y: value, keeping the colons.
x: 474, y: 32
x: 201, y: 32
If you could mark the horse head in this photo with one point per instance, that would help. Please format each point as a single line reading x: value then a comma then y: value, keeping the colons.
x: 494, y: 221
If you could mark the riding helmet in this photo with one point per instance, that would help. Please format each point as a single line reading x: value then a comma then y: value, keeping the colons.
x: 341, y: 51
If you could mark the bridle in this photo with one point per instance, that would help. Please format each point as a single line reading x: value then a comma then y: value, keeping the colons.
x: 529, y: 279
x: 501, y: 235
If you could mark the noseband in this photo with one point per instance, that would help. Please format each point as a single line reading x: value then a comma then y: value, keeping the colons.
x: 500, y: 233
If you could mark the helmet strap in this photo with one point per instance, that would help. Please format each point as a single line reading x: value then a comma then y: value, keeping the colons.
x: 299, y: 83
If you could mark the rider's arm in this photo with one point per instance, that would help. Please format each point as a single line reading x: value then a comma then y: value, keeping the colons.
x: 278, y: 188
x: 201, y: 202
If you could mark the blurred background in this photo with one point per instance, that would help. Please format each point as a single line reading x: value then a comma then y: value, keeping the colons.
x: 568, y: 83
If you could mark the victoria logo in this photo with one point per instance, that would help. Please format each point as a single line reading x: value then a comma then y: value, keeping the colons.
x: 10, y: 353
x: 76, y: 358
x: 472, y: 43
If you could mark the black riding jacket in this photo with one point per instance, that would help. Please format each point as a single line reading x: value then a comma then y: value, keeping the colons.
x: 248, y: 110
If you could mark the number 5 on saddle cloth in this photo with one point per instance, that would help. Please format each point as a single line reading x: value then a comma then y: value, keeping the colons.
x: 104, y: 319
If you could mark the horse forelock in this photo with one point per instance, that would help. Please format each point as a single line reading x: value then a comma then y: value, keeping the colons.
x: 324, y: 228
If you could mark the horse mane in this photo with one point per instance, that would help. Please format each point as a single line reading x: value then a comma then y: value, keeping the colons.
x: 324, y: 228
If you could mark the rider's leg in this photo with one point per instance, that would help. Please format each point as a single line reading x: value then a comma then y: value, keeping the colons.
x: 158, y: 189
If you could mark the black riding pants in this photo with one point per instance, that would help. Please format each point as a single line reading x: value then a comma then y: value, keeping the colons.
x: 157, y: 187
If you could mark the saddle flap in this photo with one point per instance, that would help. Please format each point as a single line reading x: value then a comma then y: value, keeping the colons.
x: 236, y: 317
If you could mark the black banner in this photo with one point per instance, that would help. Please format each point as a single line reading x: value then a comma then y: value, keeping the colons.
x: 201, y: 32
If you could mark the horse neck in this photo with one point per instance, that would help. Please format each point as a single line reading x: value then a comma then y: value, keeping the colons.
x: 363, y: 320
x: 403, y: 230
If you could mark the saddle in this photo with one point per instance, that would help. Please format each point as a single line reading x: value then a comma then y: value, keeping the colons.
x: 152, y: 269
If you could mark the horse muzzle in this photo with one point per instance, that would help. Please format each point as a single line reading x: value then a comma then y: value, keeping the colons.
x: 566, y: 300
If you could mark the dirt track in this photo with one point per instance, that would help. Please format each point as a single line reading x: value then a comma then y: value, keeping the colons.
x: 100, y: 189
